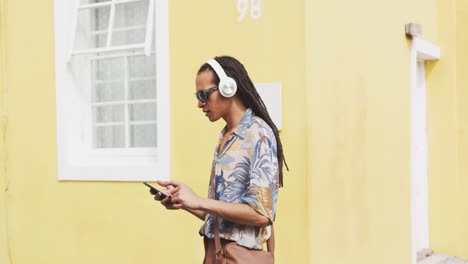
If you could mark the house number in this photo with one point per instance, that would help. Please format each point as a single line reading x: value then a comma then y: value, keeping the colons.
x: 252, y: 7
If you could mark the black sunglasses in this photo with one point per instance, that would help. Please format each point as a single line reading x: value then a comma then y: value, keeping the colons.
x: 202, y: 95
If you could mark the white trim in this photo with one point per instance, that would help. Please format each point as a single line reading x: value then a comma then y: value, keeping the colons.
x: 112, y: 2
x: 135, y: 123
x: 425, y: 50
x: 108, y: 49
x: 110, y: 26
x: 149, y: 28
x: 271, y: 94
x: 73, y: 28
x: 110, y: 56
x: 120, y: 29
x: 162, y: 81
x: 126, y: 106
x: 76, y: 160
x: 138, y: 101
x: 421, y: 51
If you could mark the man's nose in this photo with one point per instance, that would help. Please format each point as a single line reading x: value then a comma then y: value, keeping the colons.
x: 200, y: 104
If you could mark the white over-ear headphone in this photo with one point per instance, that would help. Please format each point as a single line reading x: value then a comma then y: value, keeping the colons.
x: 227, y: 85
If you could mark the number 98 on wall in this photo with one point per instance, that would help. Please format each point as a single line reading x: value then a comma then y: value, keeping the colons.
x: 249, y: 7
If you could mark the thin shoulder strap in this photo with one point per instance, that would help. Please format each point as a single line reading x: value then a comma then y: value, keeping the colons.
x: 219, y: 248
x: 271, y: 241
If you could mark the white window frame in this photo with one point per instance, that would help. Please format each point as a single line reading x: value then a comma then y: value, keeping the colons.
x: 145, y: 45
x: 421, y: 51
x: 76, y: 159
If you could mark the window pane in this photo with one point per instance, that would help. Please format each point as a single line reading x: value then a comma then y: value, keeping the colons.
x: 109, y: 113
x: 142, y: 89
x: 128, y: 36
x: 85, y: 2
x: 142, y: 66
x: 143, y: 136
x: 142, y: 112
x: 108, y: 91
x: 131, y: 14
x: 108, y: 69
x: 130, y: 23
x: 91, y: 31
x: 110, y: 137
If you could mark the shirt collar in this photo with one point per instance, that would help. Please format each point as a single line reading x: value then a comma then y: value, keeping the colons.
x: 241, y: 129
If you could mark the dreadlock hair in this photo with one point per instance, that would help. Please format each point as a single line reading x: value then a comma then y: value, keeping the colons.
x: 250, y: 97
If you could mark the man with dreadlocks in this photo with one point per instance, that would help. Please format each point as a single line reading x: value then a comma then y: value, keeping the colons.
x: 248, y: 161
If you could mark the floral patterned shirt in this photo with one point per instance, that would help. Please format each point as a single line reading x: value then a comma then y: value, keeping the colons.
x: 246, y: 171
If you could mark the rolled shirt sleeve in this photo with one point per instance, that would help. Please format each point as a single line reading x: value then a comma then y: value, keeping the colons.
x: 262, y: 190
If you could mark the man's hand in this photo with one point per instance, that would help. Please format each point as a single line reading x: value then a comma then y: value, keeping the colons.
x: 181, y: 196
x: 166, y: 202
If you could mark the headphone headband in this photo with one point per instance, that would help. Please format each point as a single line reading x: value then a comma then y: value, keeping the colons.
x: 217, y: 68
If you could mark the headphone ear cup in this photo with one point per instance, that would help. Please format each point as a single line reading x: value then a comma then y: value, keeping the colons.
x: 228, y: 87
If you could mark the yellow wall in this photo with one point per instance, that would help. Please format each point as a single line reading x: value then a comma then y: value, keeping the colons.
x: 3, y: 208
x: 442, y: 134
x: 358, y: 75
x: 107, y: 222
x: 462, y: 96
x: 447, y: 116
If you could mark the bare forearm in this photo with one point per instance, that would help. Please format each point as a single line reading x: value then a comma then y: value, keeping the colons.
x: 184, y: 198
x: 198, y: 213
x: 234, y: 212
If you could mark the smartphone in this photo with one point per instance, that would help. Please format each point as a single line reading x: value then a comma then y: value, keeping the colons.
x: 162, y: 195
